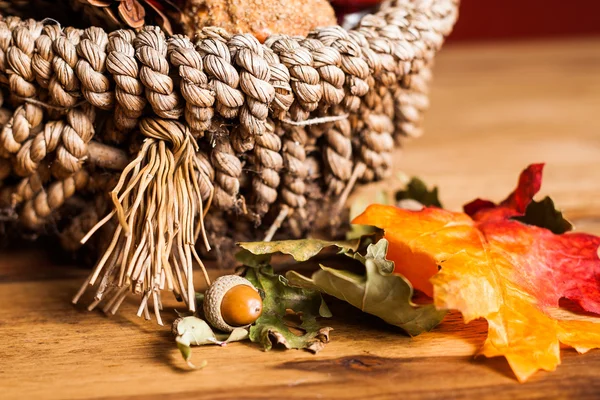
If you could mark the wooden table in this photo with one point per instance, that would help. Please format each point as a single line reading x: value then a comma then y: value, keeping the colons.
x: 495, y: 109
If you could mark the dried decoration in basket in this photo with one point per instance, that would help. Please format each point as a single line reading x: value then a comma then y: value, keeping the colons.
x: 258, y: 17
x: 115, y: 14
x: 261, y: 18
x: 202, y: 138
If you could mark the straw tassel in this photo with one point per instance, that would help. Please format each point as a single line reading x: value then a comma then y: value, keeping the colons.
x: 158, y: 204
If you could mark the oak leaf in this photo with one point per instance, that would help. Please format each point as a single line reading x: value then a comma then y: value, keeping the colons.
x: 378, y: 292
x: 300, y: 250
x: 495, y: 267
x: 193, y: 331
x: 289, y: 316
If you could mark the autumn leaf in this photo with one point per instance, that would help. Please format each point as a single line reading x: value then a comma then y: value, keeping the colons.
x: 378, y: 292
x: 495, y: 267
x: 300, y: 250
x: 289, y: 316
x: 414, y: 196
x: 192, y: 331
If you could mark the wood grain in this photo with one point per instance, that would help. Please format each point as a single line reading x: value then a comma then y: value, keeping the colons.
x: 495, y: 109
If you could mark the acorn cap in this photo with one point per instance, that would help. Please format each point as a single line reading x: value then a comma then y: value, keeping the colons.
x: 214, y: 296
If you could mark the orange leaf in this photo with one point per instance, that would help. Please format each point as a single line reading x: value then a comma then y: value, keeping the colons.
x: 497, y: 268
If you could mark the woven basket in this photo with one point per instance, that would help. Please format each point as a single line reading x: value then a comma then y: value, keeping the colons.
x: 260, y: 136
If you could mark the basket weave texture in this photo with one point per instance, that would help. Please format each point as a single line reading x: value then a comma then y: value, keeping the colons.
x: 263, y: 133
x: 244, y: 99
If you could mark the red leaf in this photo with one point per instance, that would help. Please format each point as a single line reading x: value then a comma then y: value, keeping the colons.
x: 501, y: 269
x: 477, y: 205
x: 530, y: 182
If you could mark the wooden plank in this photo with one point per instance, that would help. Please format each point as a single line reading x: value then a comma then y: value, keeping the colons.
x: 494, y: 110
x: 82, y: 355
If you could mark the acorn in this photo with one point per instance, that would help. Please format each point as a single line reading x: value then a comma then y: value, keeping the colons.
x: 232, y: 302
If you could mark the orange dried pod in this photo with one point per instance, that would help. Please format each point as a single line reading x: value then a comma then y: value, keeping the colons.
x: 132, y: 13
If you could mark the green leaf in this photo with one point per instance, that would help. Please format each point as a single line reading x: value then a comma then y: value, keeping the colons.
x: 545, y: 215
x: 236, y: 335
x: 417, y: 190
x: 193, y: 331
x: 301, y: 250
x: 249, y: 259
x: 378, y: 292
x: 281, y: 302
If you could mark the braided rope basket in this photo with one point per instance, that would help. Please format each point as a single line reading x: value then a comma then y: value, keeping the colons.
x: 213, y: 138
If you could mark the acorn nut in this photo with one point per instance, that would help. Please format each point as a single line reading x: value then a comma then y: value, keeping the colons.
x: 231, y: 302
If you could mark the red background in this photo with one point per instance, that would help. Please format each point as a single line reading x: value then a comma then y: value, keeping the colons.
x: 510, y: 19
